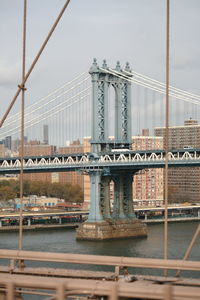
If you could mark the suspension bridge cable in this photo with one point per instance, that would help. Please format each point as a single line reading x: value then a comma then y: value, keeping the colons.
x: 47, y: 96
x: 162, y: 91
x: 33, y: 111
x: 15, y: 118
x: 172, y: 93
x: 27, y: 125
x: 144, y: 77
x: 56, y: 112
x: 47, y: 113
x: 20, y: 238
x: 165, y: 244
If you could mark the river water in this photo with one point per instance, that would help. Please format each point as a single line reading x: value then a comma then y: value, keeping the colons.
x: 64, y: 240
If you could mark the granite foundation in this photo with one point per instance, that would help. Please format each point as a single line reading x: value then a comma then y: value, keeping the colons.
x: 111, y: 229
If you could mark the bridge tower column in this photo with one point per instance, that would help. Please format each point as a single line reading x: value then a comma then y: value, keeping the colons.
x: 95, y: 214
x: 128, y: 196
x: 105, y: 197
x: 123, y: 202
x: 101, y: 224
x: 118, y: 205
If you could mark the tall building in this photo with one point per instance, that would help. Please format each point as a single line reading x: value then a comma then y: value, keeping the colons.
x: 183, y: 183
x: 16, y: 145
x: 148, y: 183
x: 8, y: 142
x: 46, y: 134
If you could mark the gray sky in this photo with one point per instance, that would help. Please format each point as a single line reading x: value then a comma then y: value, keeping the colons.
x: 125, y: 30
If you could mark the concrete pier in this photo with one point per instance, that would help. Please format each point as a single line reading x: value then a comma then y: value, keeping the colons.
x: 111, y: 229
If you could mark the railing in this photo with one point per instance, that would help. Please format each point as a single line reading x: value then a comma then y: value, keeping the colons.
x: 112, y: 285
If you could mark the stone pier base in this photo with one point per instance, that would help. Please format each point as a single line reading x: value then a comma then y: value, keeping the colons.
x: 111, y: 229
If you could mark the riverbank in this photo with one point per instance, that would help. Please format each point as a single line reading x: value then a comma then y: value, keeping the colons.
x: 75, y: 225
x: 39, y: 227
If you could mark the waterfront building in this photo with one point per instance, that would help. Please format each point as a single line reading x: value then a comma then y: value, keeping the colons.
x: 35, y: 201
x: 183, y: 183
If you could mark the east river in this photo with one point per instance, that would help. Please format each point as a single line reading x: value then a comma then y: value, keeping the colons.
x: 64, y: 240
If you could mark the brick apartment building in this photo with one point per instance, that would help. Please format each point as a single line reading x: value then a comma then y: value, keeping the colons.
x: 35, y: 148
x: 148, y: 183
x: 183, y: 183
x: 71, y: 177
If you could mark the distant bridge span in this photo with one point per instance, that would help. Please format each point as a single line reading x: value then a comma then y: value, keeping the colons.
x: 86, y: 162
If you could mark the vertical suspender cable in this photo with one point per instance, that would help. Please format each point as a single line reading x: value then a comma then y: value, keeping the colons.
x: 167, y: 133
x: 153, y: 111
x: 146, y: 104
x: 22, y: 127
x: 160, y: 100
x: 138, y: 109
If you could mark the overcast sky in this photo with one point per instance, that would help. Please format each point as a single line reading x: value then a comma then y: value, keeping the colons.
x: 125, y: 30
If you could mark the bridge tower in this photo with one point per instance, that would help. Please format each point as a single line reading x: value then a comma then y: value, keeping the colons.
x: 104, y: 221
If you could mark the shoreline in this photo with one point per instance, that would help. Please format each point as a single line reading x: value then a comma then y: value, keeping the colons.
x: 75, y: 225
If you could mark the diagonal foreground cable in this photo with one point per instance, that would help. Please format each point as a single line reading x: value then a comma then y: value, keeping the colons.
x: 34, y: 62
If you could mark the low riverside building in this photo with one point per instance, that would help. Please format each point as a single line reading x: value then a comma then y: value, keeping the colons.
x: 41, y: 202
